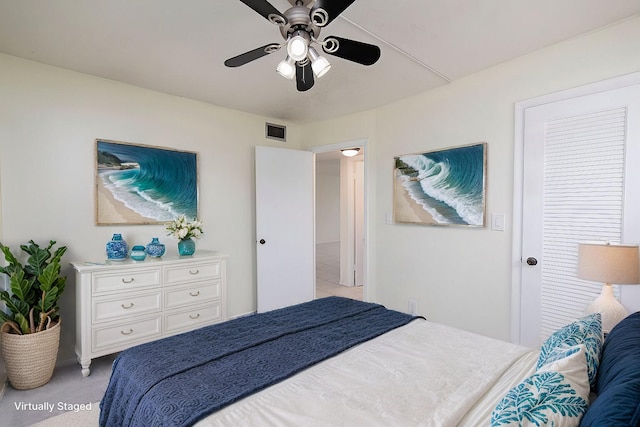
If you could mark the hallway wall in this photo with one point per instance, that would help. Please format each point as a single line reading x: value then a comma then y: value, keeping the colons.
x: 327, y: 200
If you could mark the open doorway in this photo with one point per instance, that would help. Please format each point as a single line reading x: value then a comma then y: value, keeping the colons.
x: 340, y: 224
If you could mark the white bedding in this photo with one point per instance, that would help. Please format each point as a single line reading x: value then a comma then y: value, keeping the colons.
x: 480, y: 413
x: 422, y: 374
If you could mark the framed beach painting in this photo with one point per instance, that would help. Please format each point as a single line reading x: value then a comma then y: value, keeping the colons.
x: 442, y: 187
x: 139, y: 184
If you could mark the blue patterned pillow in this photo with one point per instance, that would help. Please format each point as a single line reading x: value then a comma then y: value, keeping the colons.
x: 587, y: 331
x: 560, y: 353
x: 557, y: 394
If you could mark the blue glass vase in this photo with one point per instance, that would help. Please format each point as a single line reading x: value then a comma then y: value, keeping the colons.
x: 138, y: 253
x: 117, y: 248
x: 155, y: 249
x: 186, y: 247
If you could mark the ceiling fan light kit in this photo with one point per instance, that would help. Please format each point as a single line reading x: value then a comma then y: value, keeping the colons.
x: 300, y: 27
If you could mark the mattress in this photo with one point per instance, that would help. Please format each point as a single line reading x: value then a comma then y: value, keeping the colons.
x: 421, y: 374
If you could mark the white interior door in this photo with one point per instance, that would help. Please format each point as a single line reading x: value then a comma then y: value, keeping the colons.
x: 578, y: 181
x: 284, y: 227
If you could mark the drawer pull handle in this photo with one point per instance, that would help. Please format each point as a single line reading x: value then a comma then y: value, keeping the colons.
x: 194, y: 317
x: 127, y: 333
x: 126, y: 307
x: 194, y: 272
x: 194, y: 294
x: 127, y: 281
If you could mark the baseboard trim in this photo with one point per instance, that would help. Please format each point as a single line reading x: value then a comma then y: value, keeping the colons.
x: 237, y: 316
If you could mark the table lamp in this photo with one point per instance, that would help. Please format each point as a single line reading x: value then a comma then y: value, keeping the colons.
x: 610, y: 264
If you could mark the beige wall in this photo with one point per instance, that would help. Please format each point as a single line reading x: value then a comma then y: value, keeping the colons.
x: 3, y: 373
x: 49, y: 119
x: 461, y: 276
x: 327, y: 200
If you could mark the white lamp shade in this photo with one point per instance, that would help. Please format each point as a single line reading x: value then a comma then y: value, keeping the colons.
x: 287, y: 68
x: 297, y: 48
x: 319, y: 64
x: 320, y: 67
x: 607, y: 263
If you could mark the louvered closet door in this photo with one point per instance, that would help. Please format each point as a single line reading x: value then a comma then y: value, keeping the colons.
x: 580, y: 184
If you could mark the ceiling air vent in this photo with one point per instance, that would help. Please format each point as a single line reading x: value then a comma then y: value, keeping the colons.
x: 277, y: 132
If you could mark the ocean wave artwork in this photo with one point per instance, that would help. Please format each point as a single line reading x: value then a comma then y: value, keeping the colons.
x: 444, y: 187
x: 139, y: 184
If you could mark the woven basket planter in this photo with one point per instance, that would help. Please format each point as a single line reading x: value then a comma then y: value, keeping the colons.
x: 30, y: 359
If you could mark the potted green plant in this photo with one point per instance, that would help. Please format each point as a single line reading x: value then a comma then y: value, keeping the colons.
x: 31, y: 322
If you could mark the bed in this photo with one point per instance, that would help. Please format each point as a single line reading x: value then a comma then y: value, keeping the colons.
x: 341, y: 362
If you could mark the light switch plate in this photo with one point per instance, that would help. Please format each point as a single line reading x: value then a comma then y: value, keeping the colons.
x: 497, y: 222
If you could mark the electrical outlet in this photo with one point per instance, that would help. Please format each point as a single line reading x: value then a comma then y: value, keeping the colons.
x: 413, y: 307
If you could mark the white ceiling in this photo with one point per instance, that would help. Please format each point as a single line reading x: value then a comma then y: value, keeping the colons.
x: 179, y: 46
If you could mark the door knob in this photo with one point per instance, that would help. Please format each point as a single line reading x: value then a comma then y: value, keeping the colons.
x: 262, y: 241
x: 532, y: 261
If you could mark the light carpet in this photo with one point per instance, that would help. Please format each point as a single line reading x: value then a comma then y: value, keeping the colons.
x: 81, y: 418
x: 56, y: 401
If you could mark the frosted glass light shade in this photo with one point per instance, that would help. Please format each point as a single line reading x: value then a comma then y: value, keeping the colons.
x: 319, y: 64
x: 350, y: 152
x: 287, y: 68
x: 297, y: 48
x: 320, y: 67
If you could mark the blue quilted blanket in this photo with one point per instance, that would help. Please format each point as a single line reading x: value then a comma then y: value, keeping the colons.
x: 178, y: 380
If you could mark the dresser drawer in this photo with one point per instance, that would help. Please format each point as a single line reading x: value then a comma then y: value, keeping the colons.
x: 125, y: 280
x: 194, y: 294
x: 192, y: 318
x: 125, y: 334
x: 192, y: 271
x: 126, y: 304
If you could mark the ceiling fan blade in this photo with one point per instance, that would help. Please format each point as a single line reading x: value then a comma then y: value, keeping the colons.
x: 333, y: 8
x: 264, y: 8
x: 351, y: 50
x: 252, y: 55
x: 304, y: 77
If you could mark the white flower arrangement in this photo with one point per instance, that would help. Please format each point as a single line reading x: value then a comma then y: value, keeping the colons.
x: 182, y: 229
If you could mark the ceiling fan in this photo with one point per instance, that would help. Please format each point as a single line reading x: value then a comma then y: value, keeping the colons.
x: 300, y: 27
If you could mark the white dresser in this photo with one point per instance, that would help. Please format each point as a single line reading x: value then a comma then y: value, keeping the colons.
x: 120, y: 304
